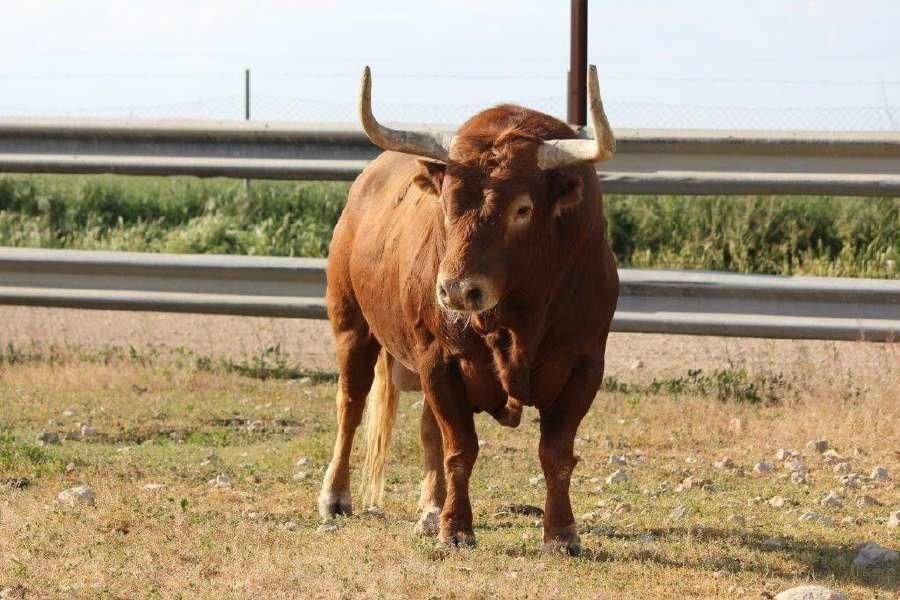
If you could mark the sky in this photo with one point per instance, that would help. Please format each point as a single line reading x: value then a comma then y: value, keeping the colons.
x: 783, y: 64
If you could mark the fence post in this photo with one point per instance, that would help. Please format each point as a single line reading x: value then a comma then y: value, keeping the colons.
x: 577, y: 81
x: 247, y: 114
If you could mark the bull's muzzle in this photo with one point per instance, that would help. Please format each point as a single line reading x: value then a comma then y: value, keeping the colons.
x: 470, y: 294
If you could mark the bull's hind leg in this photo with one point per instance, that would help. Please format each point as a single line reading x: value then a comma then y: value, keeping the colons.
x: 357, y: 351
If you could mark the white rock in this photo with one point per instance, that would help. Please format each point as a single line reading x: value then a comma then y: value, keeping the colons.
x: 796, y: 466
x: 300, y: 476
x: 80, y: 494
x: 88, y: 431
x: 879, y: 473
x: 290, y: 526
x: 819, y: 446
x: 222, y: 481
x: 866, y: 501
x: 16, y: 592
x: 70, y: 468
x: 873, y: 555
x: 799, y: 477
x: 256, y: 426
x: 638, y: 364
x: 623, y: 507
x: 894, y: 520
x: 763, y: 467
x: 255, y: 516
x: 831, y: 457
x: 832, y: 500
x: 328, y: 527
x: 692, y: 482
x: 209, y: 460
x: 810, y: 592
x: 374, y: 511
x: 842, y: 468
x: 153, y: 487
x: 617, y: 476
x: 848, y: 520
x: 302, y: 461
x: 678, y: 512
x: 814, y: 517
x: 536, y: 479
x: 725, y: 463
x: 850, y: 480
x: 777, y: 502
x: 785, y: 453
x: 68, y: 413
x: 617, y: 460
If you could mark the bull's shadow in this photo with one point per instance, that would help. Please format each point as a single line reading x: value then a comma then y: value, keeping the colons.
x: 812, y: 559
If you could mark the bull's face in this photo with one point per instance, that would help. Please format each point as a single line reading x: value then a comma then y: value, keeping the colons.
x: 495, y: 230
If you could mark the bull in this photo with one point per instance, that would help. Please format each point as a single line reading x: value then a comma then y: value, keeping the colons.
x: 474, y: 267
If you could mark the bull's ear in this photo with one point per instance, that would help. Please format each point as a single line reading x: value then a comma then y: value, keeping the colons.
x: 564, y: 191
x: 431, y: 175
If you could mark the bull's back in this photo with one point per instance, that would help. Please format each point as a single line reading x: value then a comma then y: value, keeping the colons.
x: 373, y: 247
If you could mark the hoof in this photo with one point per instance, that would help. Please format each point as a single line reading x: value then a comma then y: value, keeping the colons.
x: 332, y: 505
x: 427, y: 525
x: 569, y: 545
x: 458, y: 539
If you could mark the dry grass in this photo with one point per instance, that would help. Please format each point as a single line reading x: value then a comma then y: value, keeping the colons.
x: 157, y: 422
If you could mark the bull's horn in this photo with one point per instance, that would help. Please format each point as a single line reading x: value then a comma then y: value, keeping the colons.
x: 435, y: 146
x: 553, y: 154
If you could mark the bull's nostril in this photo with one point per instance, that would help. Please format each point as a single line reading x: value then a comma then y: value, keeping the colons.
x: 473, y: 296
x: 442, y: 292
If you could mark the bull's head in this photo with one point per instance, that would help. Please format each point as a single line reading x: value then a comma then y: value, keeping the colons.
x: 499, y: 210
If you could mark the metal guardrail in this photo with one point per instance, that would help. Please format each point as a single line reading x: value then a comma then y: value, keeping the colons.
x: 647, y: 161
x: 683, y: 302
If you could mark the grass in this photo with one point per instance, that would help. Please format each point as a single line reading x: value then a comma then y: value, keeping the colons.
x: 833, y: 236
x: 159, y: 416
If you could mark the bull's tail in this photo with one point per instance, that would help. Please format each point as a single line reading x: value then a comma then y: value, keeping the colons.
x: 381, y: 412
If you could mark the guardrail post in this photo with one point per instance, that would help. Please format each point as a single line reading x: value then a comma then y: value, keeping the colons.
x: 247, y: 115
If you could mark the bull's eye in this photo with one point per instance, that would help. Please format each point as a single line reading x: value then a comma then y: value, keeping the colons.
x: 523, y: 212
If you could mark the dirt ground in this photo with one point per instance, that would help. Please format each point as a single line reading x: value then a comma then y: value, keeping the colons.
x: 310, y: 345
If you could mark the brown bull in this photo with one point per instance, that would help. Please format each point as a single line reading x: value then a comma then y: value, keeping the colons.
x: 474, y: 267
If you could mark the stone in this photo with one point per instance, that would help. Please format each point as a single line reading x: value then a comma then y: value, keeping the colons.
x: 832, y: 500
x: 810, y: 592
x: 785, y: 453
x: 209, y: 460
x: 153, y: 487
x: 617, y: 460
x: 849, y: 520
x: 763, y: 467
x: 222, y: 481
x: 777, y: 502
x: 894, y: 520
x: 300, y: 476
x: 692, y: 482
x: 831, y: 457
x: 256, y: 426
x: 879, y: 473
x: 841, y: 468
x: 865, y: 501
x: 88, y: 431
x: 647, y: 538
x: 70, y: 468
x: 638, y: 364
x: 290, y: 526
x: 302, y: 461
x: 773, y: 544
x: 617, y: 476
x: 68, y: 413
x: 873, y: 555
x: 850, y: 480
x: 328, y: 527
x: 819, y: 446
x: 814, y: 517
x: 536, y: 479
x: 725, y: 463
x: 796, y: 466
x: 75, y: 496
x: 255, y: 516
x: 374, y: 511
x: 48, y: 437
x: 15, y: 592
x: 799, y: 477
x: 623, y: 507
x: 678, y: 512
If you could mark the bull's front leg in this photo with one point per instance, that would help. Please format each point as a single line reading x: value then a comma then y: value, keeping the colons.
x: 559, y: 424
x: 445, y: 394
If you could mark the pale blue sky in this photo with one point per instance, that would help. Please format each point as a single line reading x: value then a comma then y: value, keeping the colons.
x: 823, y: 64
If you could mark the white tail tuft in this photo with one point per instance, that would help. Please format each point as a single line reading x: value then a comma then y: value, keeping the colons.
x: 381, y: 412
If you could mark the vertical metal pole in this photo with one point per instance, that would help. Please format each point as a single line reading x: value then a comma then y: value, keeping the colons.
x: 247, y: 114
x: 577, y: 92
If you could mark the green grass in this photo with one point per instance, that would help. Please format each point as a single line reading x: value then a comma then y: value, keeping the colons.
x: 832, y: 236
